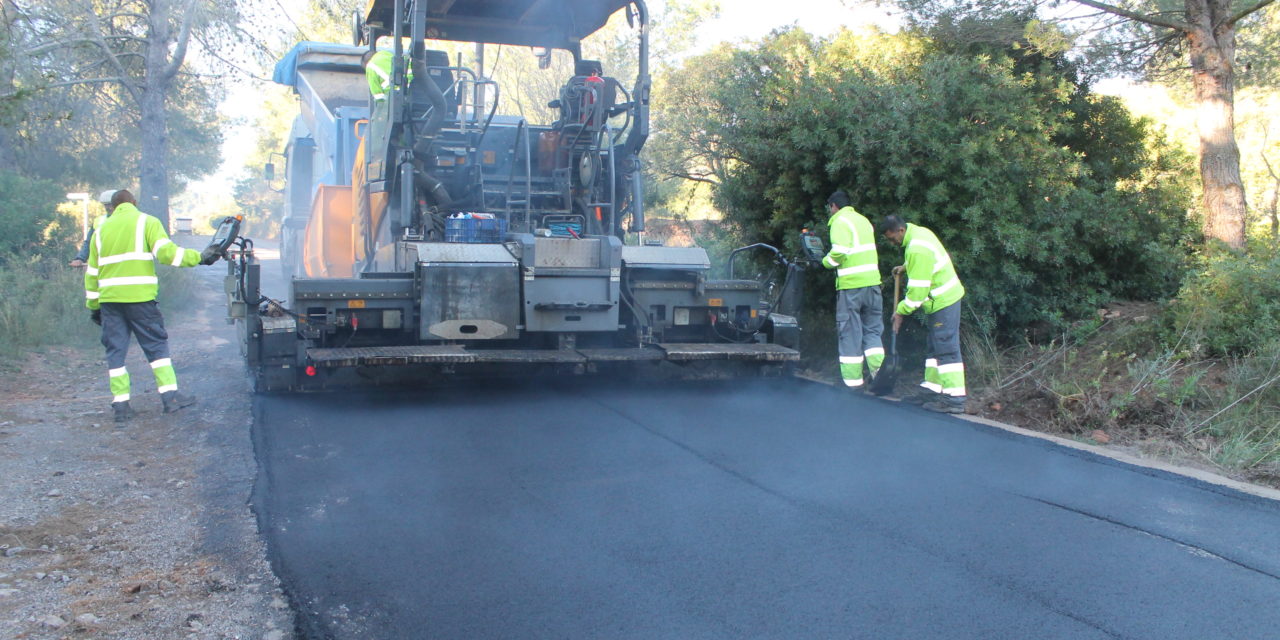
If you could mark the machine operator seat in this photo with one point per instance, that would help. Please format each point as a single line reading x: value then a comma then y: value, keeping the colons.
x: 443, y: 78
x: 587, y: 98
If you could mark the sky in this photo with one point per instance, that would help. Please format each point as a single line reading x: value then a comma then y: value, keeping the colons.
x: 739, y: 20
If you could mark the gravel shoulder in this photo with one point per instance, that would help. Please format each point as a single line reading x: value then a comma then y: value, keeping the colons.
x: 140, y: 532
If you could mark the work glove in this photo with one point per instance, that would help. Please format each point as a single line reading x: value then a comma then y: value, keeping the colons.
x: 96, y: 316
x: 210, y: 255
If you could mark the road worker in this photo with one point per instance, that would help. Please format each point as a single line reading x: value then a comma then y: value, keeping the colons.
x: 859, y: 306
x: 934, y: 288
x: 377, y: 70
x: 82, y: 256
x: 120, y: 290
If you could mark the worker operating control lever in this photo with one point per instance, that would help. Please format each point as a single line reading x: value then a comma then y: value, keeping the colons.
x: 228, y: 231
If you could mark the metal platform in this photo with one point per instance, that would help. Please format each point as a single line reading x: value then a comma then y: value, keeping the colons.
x: 458, y: 354
x: 679, y: 352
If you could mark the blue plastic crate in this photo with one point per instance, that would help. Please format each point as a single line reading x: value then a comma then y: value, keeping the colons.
x: 474, y: 230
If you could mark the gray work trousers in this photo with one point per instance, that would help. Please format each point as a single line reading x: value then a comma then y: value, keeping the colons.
x: 944, y: 350
x: 859, y: 323
x: 139, y: 319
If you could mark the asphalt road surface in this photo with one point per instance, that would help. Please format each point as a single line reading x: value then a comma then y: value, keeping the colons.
x: 765, y: 510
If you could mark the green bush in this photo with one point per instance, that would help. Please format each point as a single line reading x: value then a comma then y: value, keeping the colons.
x: 43, y: 305
x: 1052, y: 200
x: 29, y: 217
x: 1230, y: 306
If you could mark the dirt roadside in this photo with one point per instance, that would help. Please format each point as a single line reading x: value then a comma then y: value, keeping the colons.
x: 140, y: 532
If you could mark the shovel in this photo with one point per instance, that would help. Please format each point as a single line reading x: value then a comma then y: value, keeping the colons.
x: 887, y: 376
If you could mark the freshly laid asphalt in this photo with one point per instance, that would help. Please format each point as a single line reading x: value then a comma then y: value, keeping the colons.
x: 769, y: 509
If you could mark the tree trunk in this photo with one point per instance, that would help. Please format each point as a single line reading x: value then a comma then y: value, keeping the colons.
x: 1212, y: 58
x: 153, y: 196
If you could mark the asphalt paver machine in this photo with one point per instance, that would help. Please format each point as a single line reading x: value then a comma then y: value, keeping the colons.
x: 430, y: 235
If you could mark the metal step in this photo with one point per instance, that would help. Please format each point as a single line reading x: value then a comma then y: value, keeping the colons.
x: 683, y: 352
x: 459, y: 354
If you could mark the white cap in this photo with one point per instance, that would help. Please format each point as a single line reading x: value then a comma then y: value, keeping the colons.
x: 105, y: 196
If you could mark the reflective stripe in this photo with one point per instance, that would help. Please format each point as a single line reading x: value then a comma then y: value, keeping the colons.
x: 162, y: 362
x: 167, y: 388
x: 116, y: 373
x: 830, y: 262
x: 874, y: 351
x: 940, y: 257
x: 155, y: 251
x: 931, y: 362
x: 955, y: 367
x: 124, y: 257
x: 97, y: 239
x: 91, y: 295
x: 955, y: 392
x: 118, y: 282
x: 936, y: 388
x: 850, y: 359
x: 178, y: 256
x: 912, y: 304
x: 918, y: 283
x: 839, y: 248
x: 945, y: 288
x: 121, y: 398
x: 863, y: 268
x: 91, y: 271
x: 853, y: 383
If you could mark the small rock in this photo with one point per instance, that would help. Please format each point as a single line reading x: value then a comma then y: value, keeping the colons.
x: 195, y: 625
x: 96, y: 425
x: 53, y: 493
x: 87, y: 618
x: 53, y: 621
x: 5, y: 593
x: 59, y: 473
x: 40, y: 575
x: 277, y: 603
x: 274, y: 635
x: 13, y: 551
x: 1099, y: 436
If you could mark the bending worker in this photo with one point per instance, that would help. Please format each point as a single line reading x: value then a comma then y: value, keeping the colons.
x: 859, y: 307
x: 933, y: 287
x: 120, y: 287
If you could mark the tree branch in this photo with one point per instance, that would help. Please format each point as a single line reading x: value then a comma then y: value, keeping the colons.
x: 125, y: 80
x: 184, y: 35
x: 1134, y: 15
x: 1243, y: 13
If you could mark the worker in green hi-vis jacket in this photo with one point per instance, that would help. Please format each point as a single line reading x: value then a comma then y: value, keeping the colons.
x: 120, y: 288
x: 934, y: 288
x: 859, y: 305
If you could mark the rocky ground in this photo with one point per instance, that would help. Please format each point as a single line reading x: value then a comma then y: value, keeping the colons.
x: 144, y: 531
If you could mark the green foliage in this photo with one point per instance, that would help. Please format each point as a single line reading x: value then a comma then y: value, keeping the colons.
x: 1050, y: 199
x: 1230, y: 305
x: 43, y: 305
x: 29, y: 217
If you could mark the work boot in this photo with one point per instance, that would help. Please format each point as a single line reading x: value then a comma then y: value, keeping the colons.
x: 174, y: 401
x: 946, y: 405
x: 122, y: 411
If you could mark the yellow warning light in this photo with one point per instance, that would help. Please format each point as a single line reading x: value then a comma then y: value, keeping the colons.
x: 715, y: 302
x: 355, y: 304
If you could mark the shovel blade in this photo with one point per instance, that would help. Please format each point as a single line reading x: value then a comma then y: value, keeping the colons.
x: 885, y: 378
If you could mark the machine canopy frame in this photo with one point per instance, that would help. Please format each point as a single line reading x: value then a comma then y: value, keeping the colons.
x: 556, y: 24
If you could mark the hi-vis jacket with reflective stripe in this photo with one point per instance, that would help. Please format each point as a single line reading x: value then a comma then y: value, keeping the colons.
x: 378, y: 73
x: 122, y: 258
x: 853, y: 250
x: 932, y: 283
